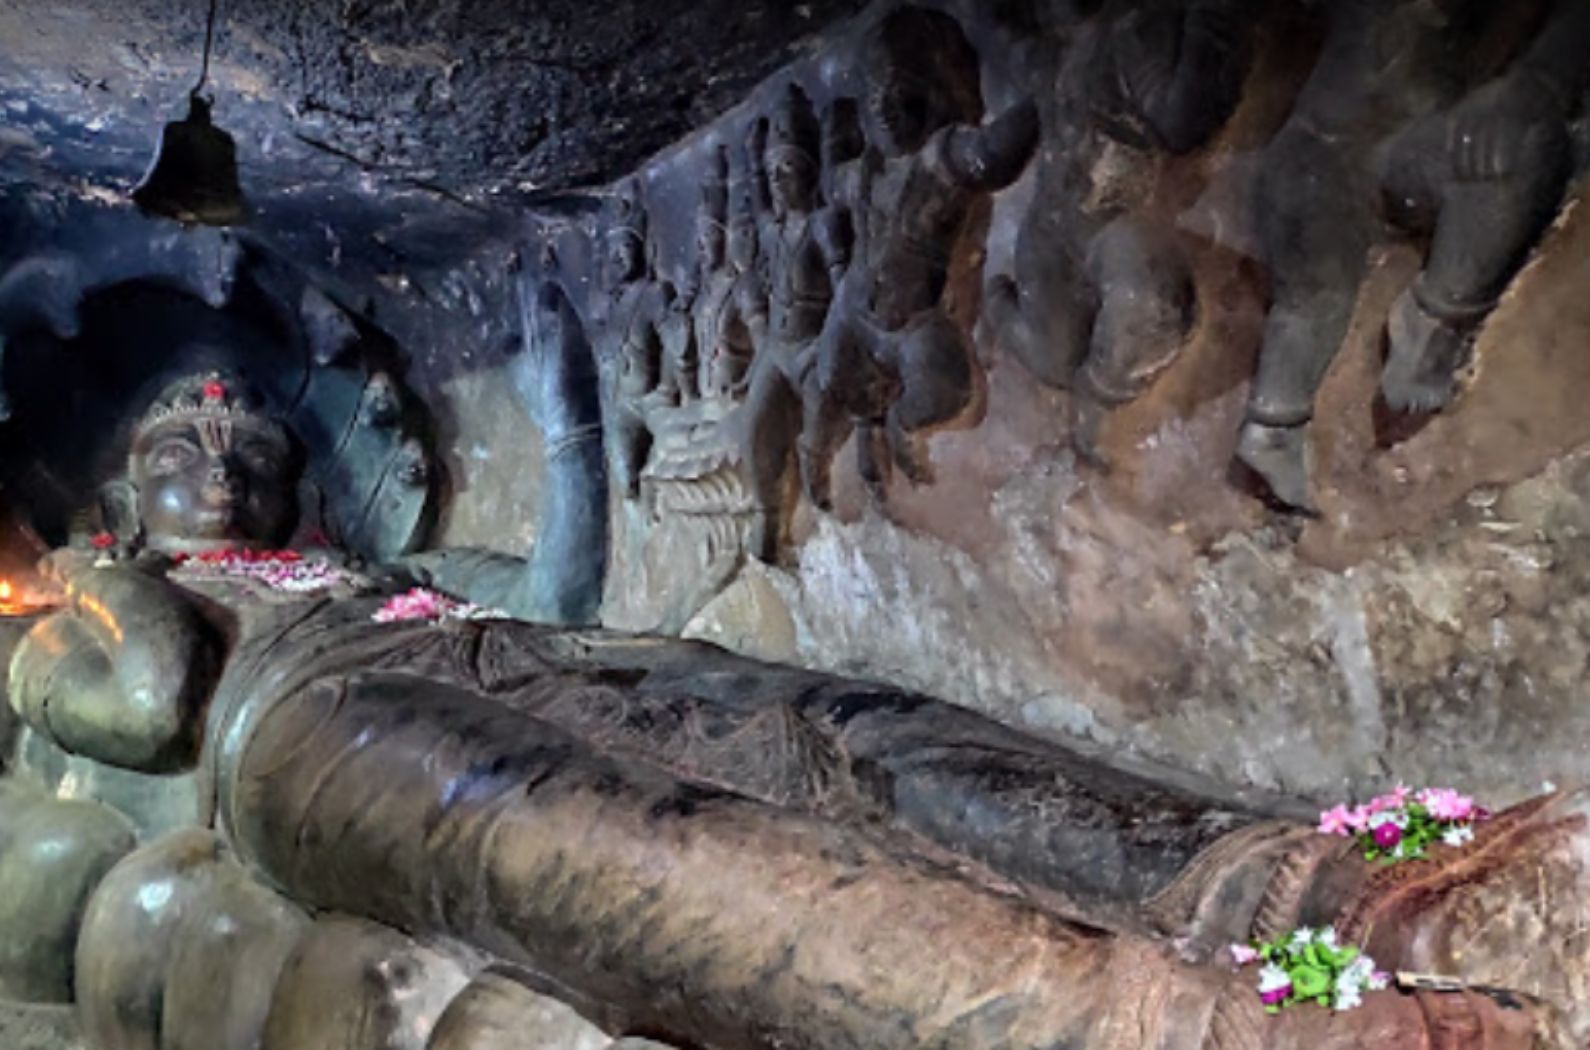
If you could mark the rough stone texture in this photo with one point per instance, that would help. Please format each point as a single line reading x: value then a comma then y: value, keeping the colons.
x: 465, y: 99
x: 39, y: 1028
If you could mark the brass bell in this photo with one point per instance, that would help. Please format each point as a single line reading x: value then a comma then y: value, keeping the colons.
x: 193, y: 178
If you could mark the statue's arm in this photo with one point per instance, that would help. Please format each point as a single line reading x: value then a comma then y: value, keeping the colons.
x: 835, y: 238
x: 992, y: 156
x: 120, y: 674
x: 1557, y: 58
x: 561, y: 579
x: 1173, y: 78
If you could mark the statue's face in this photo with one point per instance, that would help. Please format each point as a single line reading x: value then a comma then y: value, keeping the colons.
x: 791, y: 179
x: 623, y: 258
x: 214, y: 483
x: 709, y: 243
x: 742, y: 245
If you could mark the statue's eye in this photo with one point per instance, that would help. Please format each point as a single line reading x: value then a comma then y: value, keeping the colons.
x: 173, y: 455
x: 258, y: 456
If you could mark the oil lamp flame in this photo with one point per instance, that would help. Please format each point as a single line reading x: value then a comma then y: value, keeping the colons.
x: 5, y: 590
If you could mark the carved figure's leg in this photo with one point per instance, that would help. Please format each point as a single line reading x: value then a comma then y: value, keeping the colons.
x: 52, y: 855
x: 1316, y: 222
x: 631, y: 444
x: 1483, y: 224
x: 824, y: 427
x: 1143, y: 320
x: 934, y: 363
x: 1043, y: 315
x: 844, y: 382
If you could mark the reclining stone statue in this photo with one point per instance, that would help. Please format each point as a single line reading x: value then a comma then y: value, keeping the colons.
x: 395, y: 824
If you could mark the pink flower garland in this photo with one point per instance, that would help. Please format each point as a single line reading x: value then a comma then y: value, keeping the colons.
x: 422, y: 603
x: 1400, y: 824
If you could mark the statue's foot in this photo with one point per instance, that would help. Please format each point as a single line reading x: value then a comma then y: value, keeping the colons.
x: 1426, y: 355
x: 1087, y: 420
x: 1510, y: 910
x: 1279, y: 455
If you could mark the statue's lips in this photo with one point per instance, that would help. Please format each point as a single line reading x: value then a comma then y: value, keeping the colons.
x: 215, y: 518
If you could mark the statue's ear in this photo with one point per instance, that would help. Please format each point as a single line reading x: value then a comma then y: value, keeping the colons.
x: 118, y: 507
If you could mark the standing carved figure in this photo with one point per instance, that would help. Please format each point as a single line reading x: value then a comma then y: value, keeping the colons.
x: 1402, y: 106
x: 803, y: 260
x: 890, y: 356
x: 1102, y: 298
x: 731, y: 313
x: 630, y: 320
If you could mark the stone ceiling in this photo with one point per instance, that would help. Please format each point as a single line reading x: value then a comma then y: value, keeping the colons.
x: 405, y: 132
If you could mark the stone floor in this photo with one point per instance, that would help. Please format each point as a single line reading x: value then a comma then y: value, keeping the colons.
x: 38, y: 1028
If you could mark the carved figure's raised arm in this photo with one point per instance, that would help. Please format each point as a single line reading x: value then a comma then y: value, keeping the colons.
x: 992, y: 156
x: 1557, y: 57
x: 561, y: 580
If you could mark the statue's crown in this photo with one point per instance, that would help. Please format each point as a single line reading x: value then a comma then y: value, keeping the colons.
x: 203, y: 395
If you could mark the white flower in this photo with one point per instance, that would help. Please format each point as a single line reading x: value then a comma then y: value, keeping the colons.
x: 1301, y: 939
x: 1327, y: 937
x: 1348, y: 996
x: 1457, y: 835
x: 1272, y: 977
x: 1357, y: 972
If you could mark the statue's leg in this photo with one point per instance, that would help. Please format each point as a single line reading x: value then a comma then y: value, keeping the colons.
x: 1042, y: 316
x: 933, y: 359
x: 696, y: 913
x: 1142, y: 323
x: 824, y: 422
x: 631, y: 444
x: 53, y: 853
x: 1482, y: 229
x: 1317, y: 224
x: 1510, y: 910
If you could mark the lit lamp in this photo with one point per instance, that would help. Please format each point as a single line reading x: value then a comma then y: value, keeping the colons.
x: 193, y: 177
x: 17, y: 601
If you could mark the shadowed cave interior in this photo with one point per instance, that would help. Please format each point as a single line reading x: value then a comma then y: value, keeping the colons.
x: 823, y: 526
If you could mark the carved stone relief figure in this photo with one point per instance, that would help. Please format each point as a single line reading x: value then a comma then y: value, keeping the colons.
x: 629, y: 321
x: 1400, y: 107
x: 889, y: 357
x: 803, y: 260
x: 1102, y: 297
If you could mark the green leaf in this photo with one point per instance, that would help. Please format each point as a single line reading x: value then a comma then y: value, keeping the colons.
x: 1309, y: 981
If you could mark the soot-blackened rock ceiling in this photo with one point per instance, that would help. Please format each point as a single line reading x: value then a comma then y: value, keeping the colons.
x: 385, y: 125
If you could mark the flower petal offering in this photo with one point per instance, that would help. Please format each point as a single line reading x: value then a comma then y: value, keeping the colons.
x: 1310, y: 965
x: 422, y: 603
x: 1402, y: 824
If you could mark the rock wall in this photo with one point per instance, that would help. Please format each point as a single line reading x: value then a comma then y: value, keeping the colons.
x: 1196, y: 380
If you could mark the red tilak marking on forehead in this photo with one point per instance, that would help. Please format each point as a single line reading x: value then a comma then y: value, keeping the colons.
x: 215, y: 435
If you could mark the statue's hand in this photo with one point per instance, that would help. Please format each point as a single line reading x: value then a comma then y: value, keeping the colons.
x: 1491, y: 133
x: 119, y: 674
